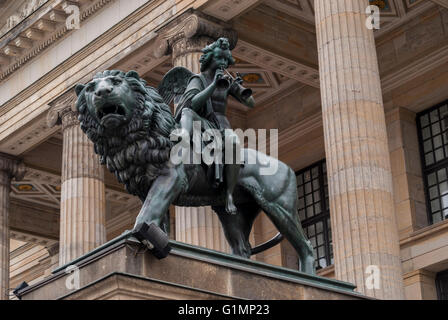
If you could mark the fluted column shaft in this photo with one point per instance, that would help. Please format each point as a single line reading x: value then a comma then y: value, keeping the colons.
x: 186, y: 52
x: 9, y: 168
x: 5, y: 182
x: 200, y: 227
x: 83, y: 206
x: 359, y: 174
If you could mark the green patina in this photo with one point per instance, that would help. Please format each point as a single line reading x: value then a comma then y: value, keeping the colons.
x: 131, y: 124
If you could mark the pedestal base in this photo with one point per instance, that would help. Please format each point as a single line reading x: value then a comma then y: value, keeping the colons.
x: 123, y: 269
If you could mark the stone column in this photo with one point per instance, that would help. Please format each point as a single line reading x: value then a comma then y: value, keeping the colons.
x: 9, y: 168
x: 83, y: 205
x: 359, y: 172
x: 184, y: 38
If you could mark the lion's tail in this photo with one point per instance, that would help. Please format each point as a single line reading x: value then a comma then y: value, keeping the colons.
x: 267, y: 245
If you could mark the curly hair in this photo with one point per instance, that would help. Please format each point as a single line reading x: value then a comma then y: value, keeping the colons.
x: 137, y: 152
x: 206, y: 58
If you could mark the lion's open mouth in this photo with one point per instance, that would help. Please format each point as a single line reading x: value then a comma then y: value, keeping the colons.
x: 110, y: 109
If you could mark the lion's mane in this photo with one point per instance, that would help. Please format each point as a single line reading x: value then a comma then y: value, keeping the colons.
x: 136, y: 153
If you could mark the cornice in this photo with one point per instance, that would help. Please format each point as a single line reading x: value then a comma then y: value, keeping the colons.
x: 39, y: 31
x: 79, y: 56
x: 37, y: 130
x: 26, y: 9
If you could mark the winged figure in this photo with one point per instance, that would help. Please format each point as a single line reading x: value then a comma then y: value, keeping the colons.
x: 203, y: 97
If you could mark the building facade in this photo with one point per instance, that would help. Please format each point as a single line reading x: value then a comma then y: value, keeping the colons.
x: 359, y: 99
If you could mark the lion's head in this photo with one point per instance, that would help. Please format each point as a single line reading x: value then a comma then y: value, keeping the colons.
x: 129, y: 124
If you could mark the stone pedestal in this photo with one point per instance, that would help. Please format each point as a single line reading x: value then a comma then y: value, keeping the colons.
x: 184, y: 39
x: 359, y: 173
x: 9, y: 168
x: 83, y: 204
x: 122, y: 269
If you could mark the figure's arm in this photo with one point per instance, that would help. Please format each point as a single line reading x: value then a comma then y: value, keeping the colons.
x: 200, y: 99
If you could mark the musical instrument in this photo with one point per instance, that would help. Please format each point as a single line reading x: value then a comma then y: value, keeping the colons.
x: 228, y: 80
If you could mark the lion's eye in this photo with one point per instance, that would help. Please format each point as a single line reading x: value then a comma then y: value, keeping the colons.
x: 116, y: 81
x: 90, y: 87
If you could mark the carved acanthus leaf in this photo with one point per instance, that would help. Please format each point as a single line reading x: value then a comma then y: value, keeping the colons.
x: 13, y: 166
x: 190, y: 25
x: 64, y: 104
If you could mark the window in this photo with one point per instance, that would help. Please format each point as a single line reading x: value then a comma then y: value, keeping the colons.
x: 314, y: 211
x: 442, y: 285
x: 432, y: 127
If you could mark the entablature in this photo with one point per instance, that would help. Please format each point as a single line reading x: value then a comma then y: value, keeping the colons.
x: 37, y: 25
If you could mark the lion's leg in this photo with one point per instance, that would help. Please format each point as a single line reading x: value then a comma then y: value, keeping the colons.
x: 232, y: 170
x: 288, y: 225
x: 277, y: 197
x: 237, y: 227
x: 186, y: 120
x: 164, y: 190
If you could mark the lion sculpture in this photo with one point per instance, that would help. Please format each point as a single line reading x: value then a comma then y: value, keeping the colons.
x: 130, y: 125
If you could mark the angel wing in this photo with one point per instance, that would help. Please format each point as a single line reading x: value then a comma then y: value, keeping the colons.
x: 174, y: 83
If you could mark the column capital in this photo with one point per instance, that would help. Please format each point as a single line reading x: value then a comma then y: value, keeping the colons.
x: 14, y: 167
x: 63, y: 110
x: 191, y: 31
x: 53, y: 249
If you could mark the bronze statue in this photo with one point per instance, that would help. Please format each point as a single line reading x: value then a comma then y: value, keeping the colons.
x: 205, y: 100
x: 130, y: 125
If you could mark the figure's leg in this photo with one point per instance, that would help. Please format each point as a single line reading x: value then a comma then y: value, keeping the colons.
x: 237, y: 227
x: 232, y: 171
x: 188, y: 117
x: 186, y: 120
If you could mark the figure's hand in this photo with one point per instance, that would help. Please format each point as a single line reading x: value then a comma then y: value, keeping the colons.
x: 239, y: 79
x: 219, y: 74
